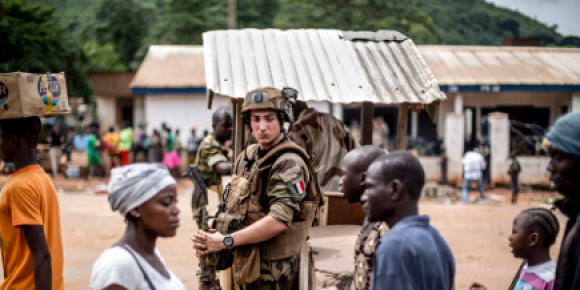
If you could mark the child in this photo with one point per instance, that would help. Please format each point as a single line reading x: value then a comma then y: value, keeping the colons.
x: 533, y: 233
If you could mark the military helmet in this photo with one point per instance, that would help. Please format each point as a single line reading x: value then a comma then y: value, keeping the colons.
x: 268, y: 98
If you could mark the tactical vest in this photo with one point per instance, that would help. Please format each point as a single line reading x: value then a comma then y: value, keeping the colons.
x: 244, y: 207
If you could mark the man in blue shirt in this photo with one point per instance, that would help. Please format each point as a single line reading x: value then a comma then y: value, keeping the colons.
x: 413, y: 255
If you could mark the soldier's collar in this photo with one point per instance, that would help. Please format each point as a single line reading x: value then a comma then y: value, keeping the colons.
x: 262, y: 153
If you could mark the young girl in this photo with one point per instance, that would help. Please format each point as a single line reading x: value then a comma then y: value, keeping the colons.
x: 533, y: 233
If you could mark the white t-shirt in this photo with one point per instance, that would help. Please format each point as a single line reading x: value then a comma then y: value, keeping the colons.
x: 473, y: 164
x: 117, y: 266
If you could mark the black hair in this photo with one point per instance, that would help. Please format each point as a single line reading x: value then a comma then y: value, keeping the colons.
x: 25, y: 128
x: 219, y: 114
x: 111, y: 129
x: 405, y: 167
x: 543, y: 220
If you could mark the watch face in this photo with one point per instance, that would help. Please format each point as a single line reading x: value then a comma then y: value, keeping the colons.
x: 228, y: 241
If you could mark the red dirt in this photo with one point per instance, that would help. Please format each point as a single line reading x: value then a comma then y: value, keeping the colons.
x: 477, y: 234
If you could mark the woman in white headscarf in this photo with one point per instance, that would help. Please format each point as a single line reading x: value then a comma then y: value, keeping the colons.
x: 146, y: 195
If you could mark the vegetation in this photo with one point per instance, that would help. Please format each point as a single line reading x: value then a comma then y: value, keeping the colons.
x: 32, y: 43
x: 113, y: 35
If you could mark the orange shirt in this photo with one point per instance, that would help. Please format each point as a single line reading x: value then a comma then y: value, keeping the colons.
x: 111, y: 140
x: 29, y: 198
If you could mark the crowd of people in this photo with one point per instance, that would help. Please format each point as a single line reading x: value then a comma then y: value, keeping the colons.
x: 122, y: 145
x: 272, y: 202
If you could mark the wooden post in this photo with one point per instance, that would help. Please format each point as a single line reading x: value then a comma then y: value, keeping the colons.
x: 366, y: 123
x: 232, y: 14
x: 226, y: 278
x: 238, y: 127
x: 402, y: 123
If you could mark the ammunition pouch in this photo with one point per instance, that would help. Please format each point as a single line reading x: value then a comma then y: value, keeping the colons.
x: 243, y: 208
x: 287, y: 244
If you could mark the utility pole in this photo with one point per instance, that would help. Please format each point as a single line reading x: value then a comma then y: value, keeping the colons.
x: 232, y: 14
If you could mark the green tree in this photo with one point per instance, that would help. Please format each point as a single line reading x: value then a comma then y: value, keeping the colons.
x: 257, y: 13
x: 401, y: 15
x: 183, y: 21
x: 124, y: 24
x: 32, y: 43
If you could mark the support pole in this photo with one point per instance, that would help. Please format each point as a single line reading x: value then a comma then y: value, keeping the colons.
x: 402, y: 123
x: 238, y: 127
x: 366, y: 123
x: 232, y: 14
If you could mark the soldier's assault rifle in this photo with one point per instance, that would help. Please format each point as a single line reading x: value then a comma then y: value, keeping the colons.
x: 200, y: 188
x: 207, y: 265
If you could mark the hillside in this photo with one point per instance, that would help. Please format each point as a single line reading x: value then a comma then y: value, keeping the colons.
x: 462, y: 22
x: 476, y: 22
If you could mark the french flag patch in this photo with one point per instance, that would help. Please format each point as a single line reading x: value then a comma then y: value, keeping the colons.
x: 299, y: 186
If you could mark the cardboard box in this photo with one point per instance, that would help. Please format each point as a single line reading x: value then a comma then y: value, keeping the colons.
x: 26, y: 95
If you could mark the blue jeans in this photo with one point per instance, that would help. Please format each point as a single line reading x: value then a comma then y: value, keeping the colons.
x: 465, y: 191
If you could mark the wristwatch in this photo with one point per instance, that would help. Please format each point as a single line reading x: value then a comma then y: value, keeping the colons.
x: 229, y: 242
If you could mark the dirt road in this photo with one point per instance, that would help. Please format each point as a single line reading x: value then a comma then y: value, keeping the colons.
x: 476, y: 233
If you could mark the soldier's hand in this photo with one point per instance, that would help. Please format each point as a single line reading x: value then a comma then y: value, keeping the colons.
x: 207, y: 242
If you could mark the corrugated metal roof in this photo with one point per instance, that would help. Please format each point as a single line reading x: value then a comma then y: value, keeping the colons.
x: 320, y: 64
x: 171, y: 66
x: 503, y: 65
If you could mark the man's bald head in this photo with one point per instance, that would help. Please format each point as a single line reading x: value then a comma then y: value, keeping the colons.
x: 404, y: 167
x: 354, y: 167
x: 362, y: 157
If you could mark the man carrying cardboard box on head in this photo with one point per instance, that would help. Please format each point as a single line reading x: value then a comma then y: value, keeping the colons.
x: 30, y: 234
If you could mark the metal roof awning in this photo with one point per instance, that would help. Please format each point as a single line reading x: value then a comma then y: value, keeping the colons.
x: 504, y: 68
x: 382, y: 67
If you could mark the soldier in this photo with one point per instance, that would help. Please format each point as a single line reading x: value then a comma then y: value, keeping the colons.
x: 272, y: 201
x: 324, y: 137
x: 212, y: 156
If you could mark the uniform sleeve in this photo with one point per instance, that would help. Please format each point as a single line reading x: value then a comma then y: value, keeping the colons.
x: 216, y: 158
x: 287, y: 188
x: 26, y: 206
x: 395, y: 266
x: 116, y: 267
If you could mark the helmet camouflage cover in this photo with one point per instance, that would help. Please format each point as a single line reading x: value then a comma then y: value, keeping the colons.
x: 268, y: 98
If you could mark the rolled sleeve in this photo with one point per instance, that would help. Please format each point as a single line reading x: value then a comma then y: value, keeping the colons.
x: 282, y: 211
x: 215, y: 159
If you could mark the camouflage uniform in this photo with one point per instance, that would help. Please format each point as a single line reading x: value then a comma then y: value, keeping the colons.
x: 277, y: 182
x: 210, y: 153
x: 326, y: 139
x: 364, y: 251
x: 276, y: 275
x: 281, y: 199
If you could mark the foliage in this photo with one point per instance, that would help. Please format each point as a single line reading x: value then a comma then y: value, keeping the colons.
x: 400, y: 15
x: 183, y: 21
x: 124, y: 24
x: 115, y: 34
x: 32, y: 43
x: 477, y: 22
x: 103, y: 57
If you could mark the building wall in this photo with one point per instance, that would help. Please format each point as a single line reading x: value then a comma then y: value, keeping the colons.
x: 182, y: 111
x: 552, y: 100
x: 432, y: 167
x: 106, y: 111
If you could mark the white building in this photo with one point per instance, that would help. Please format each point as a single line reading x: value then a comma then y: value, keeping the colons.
x: 170, y: 87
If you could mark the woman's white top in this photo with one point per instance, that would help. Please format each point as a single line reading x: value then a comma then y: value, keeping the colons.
x: 116, y: 266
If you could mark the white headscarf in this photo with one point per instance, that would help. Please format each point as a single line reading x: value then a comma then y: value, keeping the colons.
x: 132, y: 185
